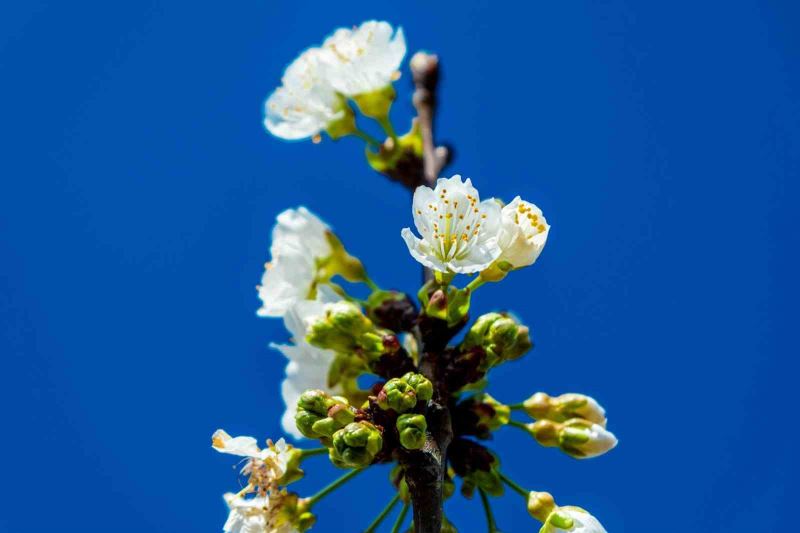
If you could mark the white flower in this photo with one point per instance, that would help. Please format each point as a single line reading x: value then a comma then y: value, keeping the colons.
x: 591, y: 440
x: 459, y: 232
x: 265, y: 468
x: 298, y: 241
x: 306, y: 103
x: 582, y: 522
x: 523, y: 233
x: 364, y: 59
x: 308, y: 365
x: 255, y: 515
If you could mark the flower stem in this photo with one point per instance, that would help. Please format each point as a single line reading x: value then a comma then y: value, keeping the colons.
x: 520, y: 425
x: 517, y: 406
x: 371, y: 284
x: 491, y: 524
x: 400, y: 519
x: 369, y: 139
x: 382, y: 516
x: 475, y: 283
x: 386, y: 124
x: 519, y: 490
x: 334, y: 485
x: 313, y: 451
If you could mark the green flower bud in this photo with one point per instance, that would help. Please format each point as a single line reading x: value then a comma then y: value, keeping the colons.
x: 397, y: 394
x: 305, y: 420
x: 500, y: 336
x: 339, y: 328
x: 315, y: 401
x: 411, y: 429
x: 565, y: 407
x: 422, y: 386
x: 355, y: 445
x: 576, y: 437
x: 304, y: 521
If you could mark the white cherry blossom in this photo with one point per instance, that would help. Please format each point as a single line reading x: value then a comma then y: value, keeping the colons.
x: 364, y: 59
x: 306, y: 103
x: 458, y: 231
x: 298, y: 241
x: 523, y: 233
x: 265, y: 467
x: 255, y: 515
x: 308, y: 365
x: 582, y: 522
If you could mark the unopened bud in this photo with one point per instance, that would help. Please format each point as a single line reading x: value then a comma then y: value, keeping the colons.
x: 576, y: 437
x: 320, y: 415
x: 402, y: 394
x: 411, y: 429
x: 356, y: 445
x: 565, y: 407
x: 500, y: 336
x: 540, y: 505
x: 339, y: 328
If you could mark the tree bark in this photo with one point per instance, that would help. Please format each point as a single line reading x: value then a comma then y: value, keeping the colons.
x: 425, y: 469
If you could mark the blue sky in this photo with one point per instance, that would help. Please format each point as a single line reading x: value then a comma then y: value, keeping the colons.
x: 660, y: 139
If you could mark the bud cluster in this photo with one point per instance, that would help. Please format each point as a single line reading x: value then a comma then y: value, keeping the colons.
x: 356, y: 445
x: 320, y: 415
x: 402, y: 394
x: 500, y: 336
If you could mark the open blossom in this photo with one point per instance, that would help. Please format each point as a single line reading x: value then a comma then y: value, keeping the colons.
x: 265, y: 468
x: 458, y: 231
x: 298, y: 241
x: 256, y: 515
x: 308, y: 365
x: 581, y: 522
x: 364, y: 59
x: 523, y: 233
x: 306, y: 103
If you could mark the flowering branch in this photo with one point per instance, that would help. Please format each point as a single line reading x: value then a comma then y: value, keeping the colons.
x: 428, y: 410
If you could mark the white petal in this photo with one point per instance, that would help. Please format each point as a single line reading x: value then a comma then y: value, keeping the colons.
x: 241, y: 446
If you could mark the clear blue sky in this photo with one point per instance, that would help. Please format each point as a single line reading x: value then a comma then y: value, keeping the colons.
x: 662, y: 141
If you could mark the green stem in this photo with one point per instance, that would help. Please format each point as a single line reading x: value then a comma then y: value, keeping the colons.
x: 369, y: 139
x: 400, y: 519
x: 381, y: 517
x: 371, y: 284
x: 475, y: 283
x: 386, y: 124
x: 517, y: 406
x: 520, y: 425
x: 335, y: 485
x: 522, y: 492
x: 492, y: 525
x: 312, y: 452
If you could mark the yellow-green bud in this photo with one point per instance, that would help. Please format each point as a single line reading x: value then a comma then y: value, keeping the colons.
x: 355, y: 445
x: 305, y: 521
x: 398, y: 395
x: 540, y: 505
x: 339, y: 328
x: 565, y: 407
x: 422, y: 386
x: 411, y: 429
x: 321, y: 415
x: 500, y: 336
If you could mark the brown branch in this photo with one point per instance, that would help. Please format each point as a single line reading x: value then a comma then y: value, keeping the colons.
x: 425, y: 73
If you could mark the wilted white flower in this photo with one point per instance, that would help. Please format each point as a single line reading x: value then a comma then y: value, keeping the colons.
x: 523, y: 233
x: 306, y: 103
x: 308, y: 365
x: 573, y: 520
x: 364, y: 59
x: 299, y: 240
x: 255, y: 515
x: 459, y: 232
